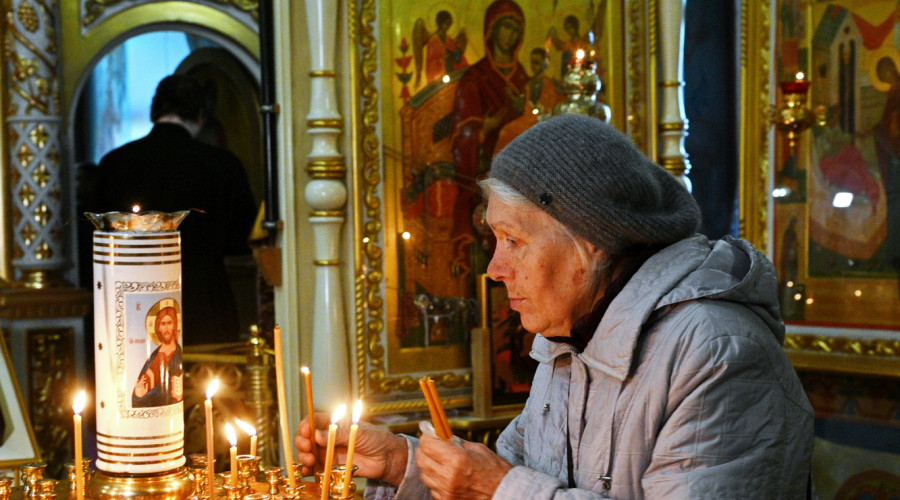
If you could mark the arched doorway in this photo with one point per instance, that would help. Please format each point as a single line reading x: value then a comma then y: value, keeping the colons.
x: 111, y: 106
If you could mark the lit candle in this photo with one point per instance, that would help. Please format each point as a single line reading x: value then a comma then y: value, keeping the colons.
x: 282, y: 410
x: 329, y: 451
x: 210, y: 448
x: 579, y: 57
x: 799, y: 85
x: 77, y: 406
x: 232, y: 438
x: 307, y: 377
x: 251, y: 431
x: 354, y: 427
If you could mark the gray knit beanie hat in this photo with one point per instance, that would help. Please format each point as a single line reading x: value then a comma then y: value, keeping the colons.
x: 591, y: 177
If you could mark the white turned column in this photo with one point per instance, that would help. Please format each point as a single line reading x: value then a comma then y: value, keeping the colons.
x: 672, y: 120
x: 326, y: 195
x: 31, y: 84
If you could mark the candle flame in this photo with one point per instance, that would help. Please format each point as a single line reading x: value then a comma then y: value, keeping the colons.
x: 247, y: 428
x: 229, y: 432
x: 212, y: 388
x: 800, y: 75
x: 304, y: 370
x: 357, y: 411
x: 78, y: 405
x: 339, y: 413
x: 136, y: 208
x: 579, y: 54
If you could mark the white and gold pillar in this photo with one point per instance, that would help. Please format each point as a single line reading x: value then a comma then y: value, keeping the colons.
x: 32, y: 143
x: 672, y: 119
x: 326, y: 194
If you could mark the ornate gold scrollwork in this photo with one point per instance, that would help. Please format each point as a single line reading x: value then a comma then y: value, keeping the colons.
x: 636, y: 88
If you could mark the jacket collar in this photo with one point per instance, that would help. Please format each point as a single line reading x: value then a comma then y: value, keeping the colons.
x: 612, y: 348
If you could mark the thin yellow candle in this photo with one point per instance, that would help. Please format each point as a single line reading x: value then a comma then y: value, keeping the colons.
x: 210, y: 447
x: 354, y: 427
x: 307, y: 377
x: 77, y: 406
x: 329, y: 451
x: 250, y: 431
x: 232, y: 438
x: 282, y: 410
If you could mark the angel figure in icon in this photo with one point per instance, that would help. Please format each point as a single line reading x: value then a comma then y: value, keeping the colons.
x: 442, y: 54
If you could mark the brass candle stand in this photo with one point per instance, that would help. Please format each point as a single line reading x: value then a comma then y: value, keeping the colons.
x: 184, y: 483
x: 793, y: 116
x: 582, y: 87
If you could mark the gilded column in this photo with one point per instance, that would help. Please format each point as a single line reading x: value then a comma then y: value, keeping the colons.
x: 32, y: 139
x: 326, y: 194
x: 672, y: 119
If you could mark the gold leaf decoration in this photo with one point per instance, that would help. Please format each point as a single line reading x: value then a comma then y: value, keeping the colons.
x: 28, y: 17
x: 41, y: 175
x: 43, y: 252
x: 29, y: 234
x: 42, y: 214
x: 39, y: 136
x: 26, y: 195
x: 25, y: 155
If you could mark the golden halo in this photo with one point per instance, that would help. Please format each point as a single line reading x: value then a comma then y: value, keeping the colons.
x: 886, y: 50
x: 431, y: 21
x: 150, y: 320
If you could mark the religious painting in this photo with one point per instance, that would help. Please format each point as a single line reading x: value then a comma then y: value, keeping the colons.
x: 152, y: 359
x: 456, y: 81
x: 17, y: 443
x: 836, y: 191
x: 502, y: 367
x: 157, y: 371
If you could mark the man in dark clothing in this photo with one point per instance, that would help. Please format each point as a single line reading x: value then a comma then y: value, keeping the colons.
x: 168, y: 170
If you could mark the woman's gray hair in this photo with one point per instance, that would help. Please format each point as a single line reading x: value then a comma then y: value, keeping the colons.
x: 501, y: 191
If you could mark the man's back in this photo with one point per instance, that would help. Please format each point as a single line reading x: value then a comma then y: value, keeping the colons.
x: 169, y: 171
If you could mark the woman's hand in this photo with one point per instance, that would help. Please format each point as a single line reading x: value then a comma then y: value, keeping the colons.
x: 379, y: 453
x: 470, y: 471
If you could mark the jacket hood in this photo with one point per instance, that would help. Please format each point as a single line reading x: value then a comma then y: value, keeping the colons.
x: 694, y: 268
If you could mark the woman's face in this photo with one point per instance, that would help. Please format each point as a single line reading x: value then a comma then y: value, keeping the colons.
x: 507, y: 34
x: 547, y: 281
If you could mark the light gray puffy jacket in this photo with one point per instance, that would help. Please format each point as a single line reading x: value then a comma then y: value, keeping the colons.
x: 684, y: 392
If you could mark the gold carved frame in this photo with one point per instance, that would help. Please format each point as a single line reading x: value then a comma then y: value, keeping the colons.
x: 386, y: 375
x: 844, y: 350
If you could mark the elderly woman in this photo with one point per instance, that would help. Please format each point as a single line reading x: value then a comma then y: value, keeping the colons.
x: 661, y: 368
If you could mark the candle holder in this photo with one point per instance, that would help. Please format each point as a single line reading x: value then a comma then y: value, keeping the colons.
x: 582, y: 87
x: 338, y: 475
x: 175, y: 485
x: 197, y: 459
x: 273, y: 478
x: 793, y: 116
x: 199, y: 478
x: 45, y: 487
x: 70, y: 475
x: 6, y: 486
x: 288, y: 492
x: 30, y: 474
x: 248, y: 469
